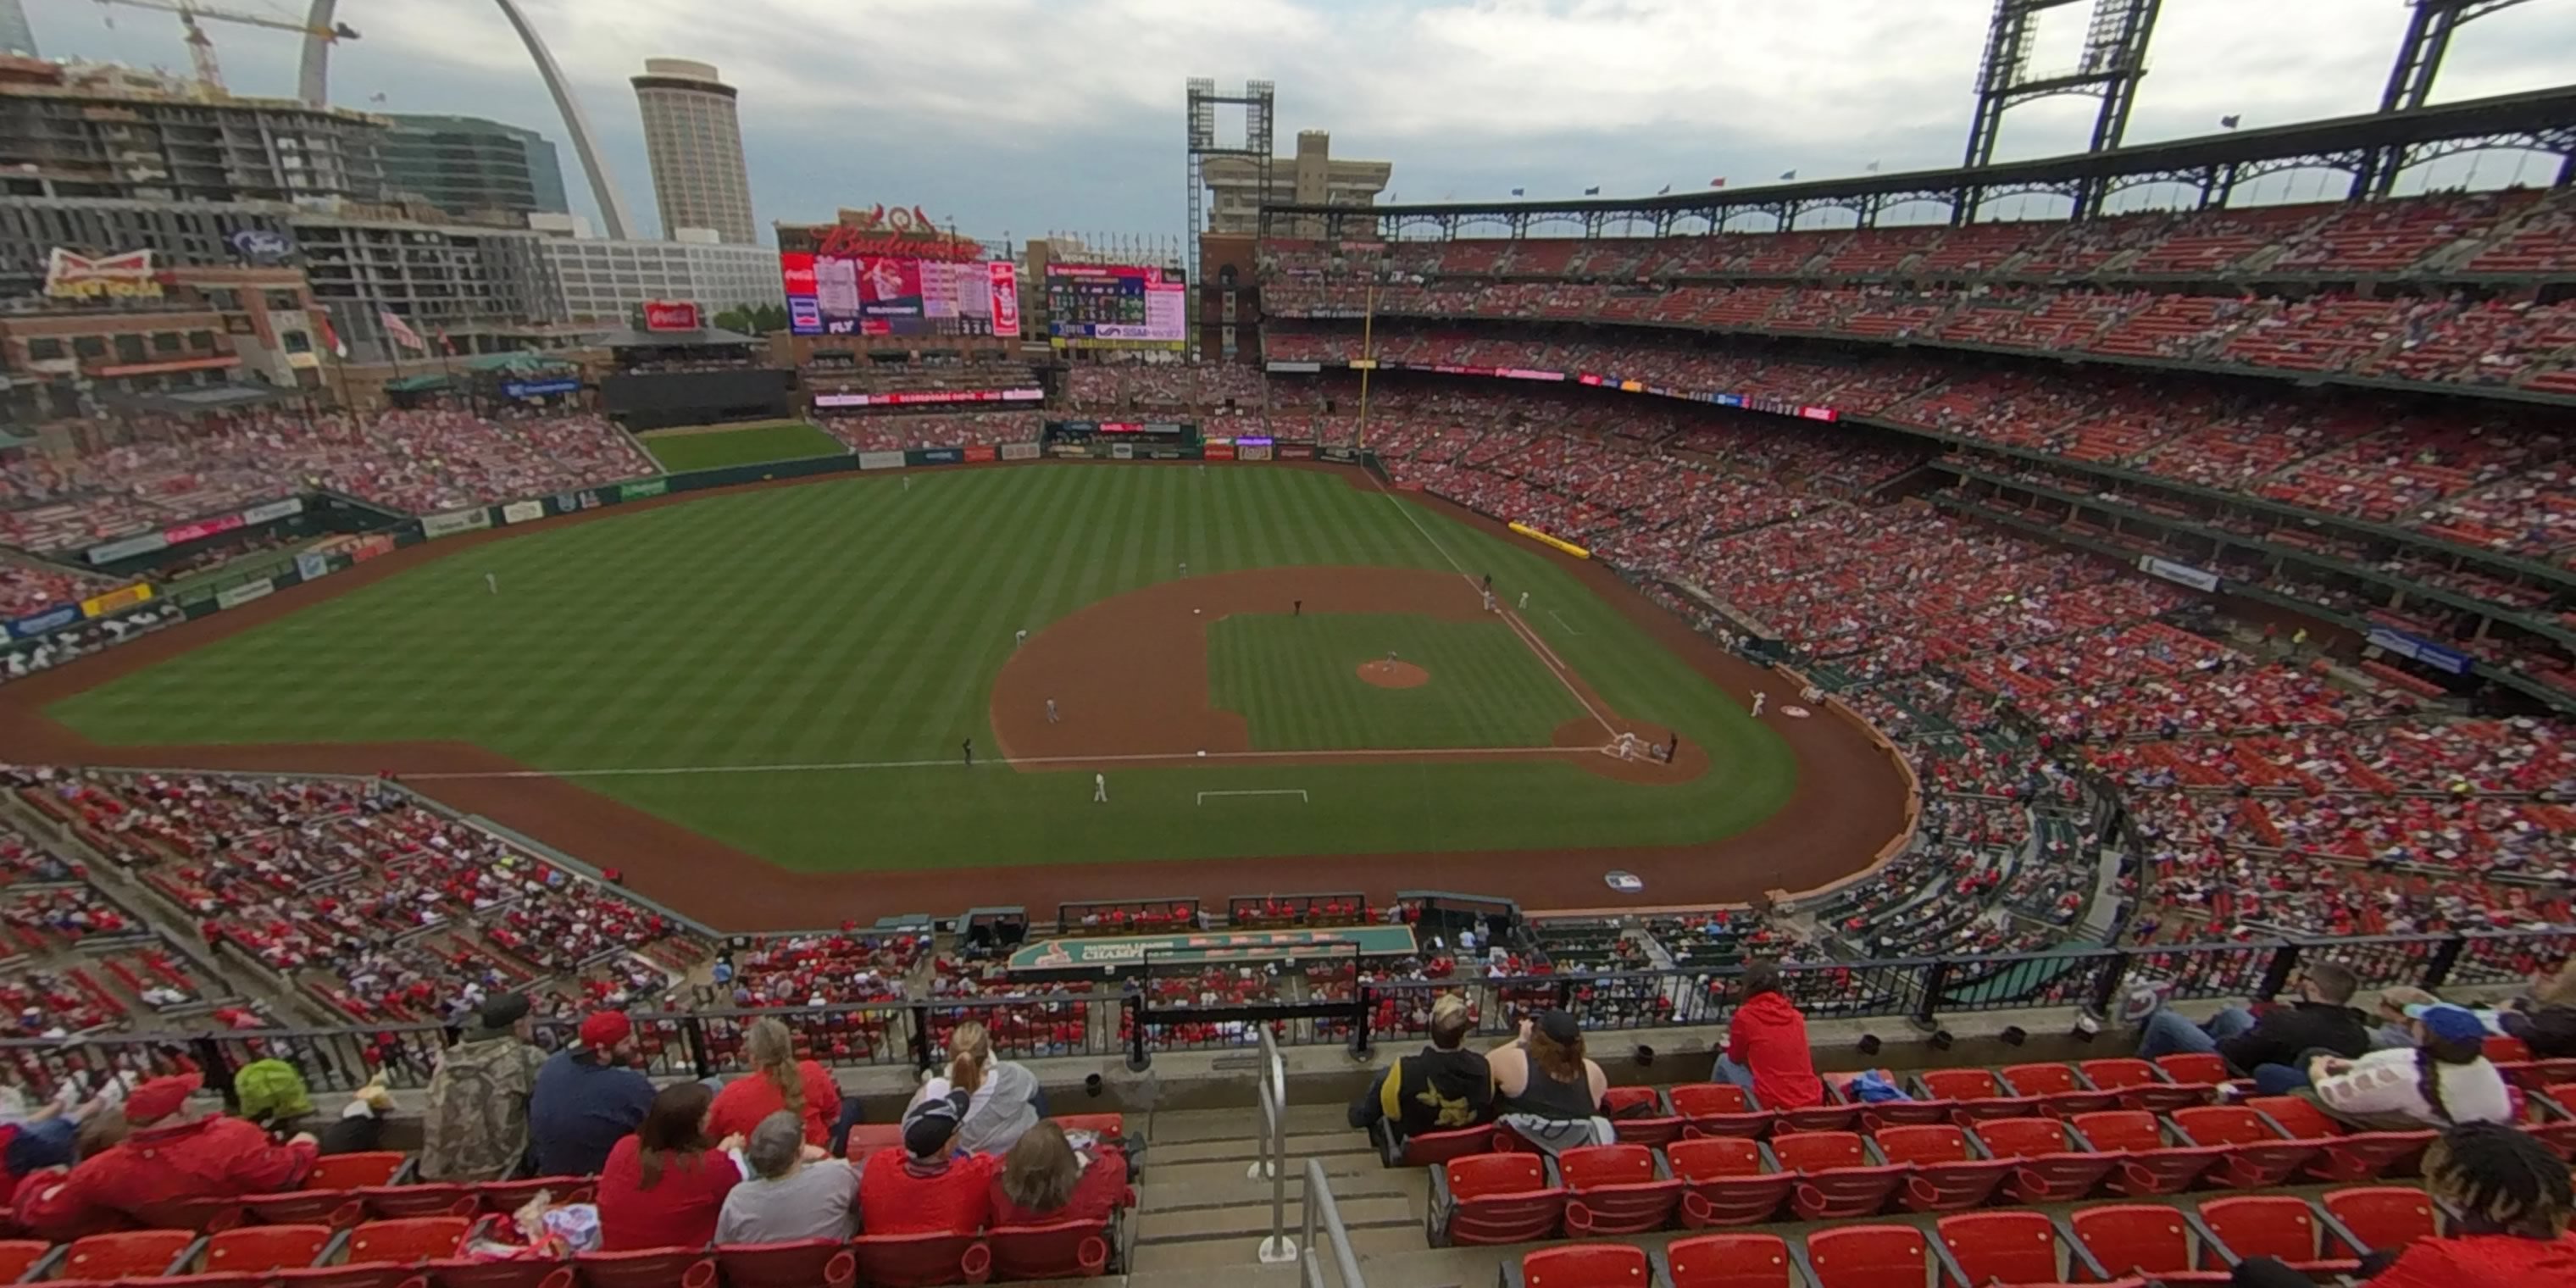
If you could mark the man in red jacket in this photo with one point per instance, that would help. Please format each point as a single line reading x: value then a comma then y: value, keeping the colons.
x: 1766, y: 1045
x: 920, y: 1187
x: 170, y: 1156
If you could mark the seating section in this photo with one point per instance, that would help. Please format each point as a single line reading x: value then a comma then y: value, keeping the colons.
x: 903, y: 431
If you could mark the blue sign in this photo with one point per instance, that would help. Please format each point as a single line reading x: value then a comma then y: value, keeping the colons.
x: 942, y: 456
x: 52, y: 619
x: 261, y: 243
x: 804, y: 314
x: 539, y: 388
x: 2416, y: 648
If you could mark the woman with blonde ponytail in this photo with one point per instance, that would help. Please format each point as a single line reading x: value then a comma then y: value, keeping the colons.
x: 778, y: 1080
x: 1005, y: 1100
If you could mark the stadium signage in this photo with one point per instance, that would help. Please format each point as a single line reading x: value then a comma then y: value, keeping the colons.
x: 455, y: 521
x: 52, y: 619
x: 1020, y: 451
x: 2185, y: 574
x: 980, y: 454
x: 639, y: 491
x: 269, y: 510
x: 260, y: 244
x: 109, y: 552
x: 943, y: 456
x: 201, y: 529
x: 1295, y: 368
x: 670, y: 315
x: 236, y: 596
x: 920, y: 396
x: 1296, y: 451
x: 113, y: 600
x: 2415, y: 648
x: 310, y: 565
x: 70, y: 275
x: 523, y: 511
x: 541, y: 388
x: 880, y: 460
x: 1059, y: 954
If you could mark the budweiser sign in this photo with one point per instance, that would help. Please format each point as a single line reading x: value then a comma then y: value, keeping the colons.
x: 670, y: 315
x: 71, y: 275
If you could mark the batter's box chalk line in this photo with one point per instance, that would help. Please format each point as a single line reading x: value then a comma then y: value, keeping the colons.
x: 1298, y: 792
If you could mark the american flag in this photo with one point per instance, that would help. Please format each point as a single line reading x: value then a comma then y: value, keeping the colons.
x: 401, y: 331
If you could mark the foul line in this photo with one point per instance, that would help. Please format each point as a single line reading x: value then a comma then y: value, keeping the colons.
x: 1555, y: 665
x: 951, y: 762
x: 1298, y: 792
x: 1570, y: 628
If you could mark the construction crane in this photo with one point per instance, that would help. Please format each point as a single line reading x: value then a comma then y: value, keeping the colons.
x: 201, y: 50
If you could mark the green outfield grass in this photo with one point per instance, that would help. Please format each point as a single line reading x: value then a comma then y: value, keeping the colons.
x: 680, y: 451
x: 855, y: 621
x: 1295, y: 681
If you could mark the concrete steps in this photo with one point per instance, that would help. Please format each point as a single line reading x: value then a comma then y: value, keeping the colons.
x: 1200, y: 1208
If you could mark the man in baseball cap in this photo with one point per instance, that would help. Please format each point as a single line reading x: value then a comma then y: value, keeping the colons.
x: 476, y: 1124
x: 2443, y: 1080
x: 170, y: 1155
x: 918, y: 1187
x: 588, y: 1098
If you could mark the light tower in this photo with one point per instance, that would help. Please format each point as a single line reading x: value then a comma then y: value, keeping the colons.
x: 1257, y: 100
x: 2113, y: 62
x: 2428, y: 37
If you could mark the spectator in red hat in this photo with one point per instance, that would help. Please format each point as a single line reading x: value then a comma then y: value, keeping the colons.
x: 169, y: 1156
x: 588, y: 1098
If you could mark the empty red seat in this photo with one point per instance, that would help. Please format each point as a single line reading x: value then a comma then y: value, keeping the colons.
x: 1433, y: 1148
x: 1982, y: 1248
x: 673, y: 1268
x: 2142, y: 1239
x: 350, y: 1171
x: 397, y: 1202
x: 2344, y: 1154
x: 18, y: 1256
x: 1587, y: 1265
x: 1727, y: 1180
x: 1494, y: 1198
x: 2195, y: 1069
x: 2258, y: 1157
x: 1719, y: 1109
x: 1829, y: 1116
x: 1835, y: 1175
x: 1107, y: 1126
x: 2061, y: 1090
x: 2275, y: 1225
x: 1058, y: 1250
x: 2141, y: 1085
x: 922, y: 1260
x: 802, y: 1264
x: 474, y: 1272
x: 2149, y: 1163
x: 2382, y: 1216
x: 339, y: 1209
x: 1948, y: 1174
x: 2048, y: 1166
x: 1640, y: 1116
x: 504, y: 1197
x: 1615, y: 1189
x: 1975, y: 1094
x: 1728, y: 1261
x: 2507, y: 1050
x: 1867, y: 1256
x: 124, y: 1255
x: 254, y: 1249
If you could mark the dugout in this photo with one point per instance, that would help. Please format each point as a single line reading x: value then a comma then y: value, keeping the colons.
x: 1270, y: 911
x: 1127, y: 916
x: 659, y: 379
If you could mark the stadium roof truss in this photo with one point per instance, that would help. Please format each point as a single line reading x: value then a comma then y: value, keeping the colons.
x: 2372, y: 148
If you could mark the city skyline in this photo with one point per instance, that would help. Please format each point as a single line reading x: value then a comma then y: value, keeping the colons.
x: 1009, y: 116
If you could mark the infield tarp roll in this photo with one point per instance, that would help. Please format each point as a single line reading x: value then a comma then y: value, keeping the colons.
x: 1546, y: 540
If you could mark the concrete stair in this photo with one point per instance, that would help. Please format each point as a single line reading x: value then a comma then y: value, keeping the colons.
x: 1200, y: 1208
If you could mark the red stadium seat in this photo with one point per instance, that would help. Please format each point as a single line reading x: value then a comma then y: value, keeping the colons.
x: 1729, y: 1261
x: 18, y: 1256
x: 2195, y: 1069
x: 2047, y: 1165
x: 1867, y: 1256
x: 409, y: 1239
x: 674, y: 1268
x: 471, y: 1272
x: 2507, y: 1050
x: 339, y: 1209
x: 2559, y: 1135
x: 349, y: 1171
x: 2274, y: 1225
x: 2142, y: 1239
x: 1719, y: 1109
x: 868, y: 1138
x: 1727, y: 1180
x: 2061, y: 1090
x: 1493, y: 1198
x: 1616, y: 1189
x: 922, y: 1260
x: 500, y: 1198
x: 401, y: 1202
x: 130, y: 1254
x: 1433, y: 1148
x: 2383, y: 1216
x: 1975, y: 1095
x: 1948, y: 1174
x: 2006, y: 1248
x: 2141, y: 1085
x: 1640, y: 1116
x: 258, y: 1248
x: 1109, y: 1126
x: 1835, y: 1175
x: 2259, y: 1156
x: 2149, y: 1164
x: 805, y: 1263
x: 2345, y: 1154
x: 1061, y: 1250
x: 1588, y: 1265
x: 1825, y: 1117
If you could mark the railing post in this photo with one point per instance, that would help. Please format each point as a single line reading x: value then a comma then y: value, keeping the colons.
x: 2445, y: 958
x: 921, y: 1037
x: 217, y: 1070
x: 1133, y: 1007
x: 1936, y: 976
x: 1365, y: 997
x: 694, y: 1032
x: 2276, y: 975
x: 2106, y: 985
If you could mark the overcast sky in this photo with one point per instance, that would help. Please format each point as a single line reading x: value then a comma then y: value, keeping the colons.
x: 1026, y: 116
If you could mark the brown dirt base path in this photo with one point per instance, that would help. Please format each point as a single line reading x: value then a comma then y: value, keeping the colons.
x: 1851, y: 799
x: 1129, y: 674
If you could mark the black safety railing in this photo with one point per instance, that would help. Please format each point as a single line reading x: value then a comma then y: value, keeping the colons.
x: 914, y: 1034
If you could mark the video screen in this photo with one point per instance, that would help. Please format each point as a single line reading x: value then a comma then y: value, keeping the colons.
x: 899, y: 295
x: 1116, y: 306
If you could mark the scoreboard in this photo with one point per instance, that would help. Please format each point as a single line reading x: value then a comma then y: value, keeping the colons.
x: 1119, y: 306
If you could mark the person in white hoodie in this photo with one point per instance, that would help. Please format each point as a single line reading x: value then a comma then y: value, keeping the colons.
x: 2443, y: 1080
x: 1006, y: 1098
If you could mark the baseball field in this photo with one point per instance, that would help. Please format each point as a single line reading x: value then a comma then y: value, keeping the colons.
x: 1249, y: 663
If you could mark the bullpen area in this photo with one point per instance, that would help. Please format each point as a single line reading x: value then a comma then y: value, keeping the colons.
x: 1175, y: 679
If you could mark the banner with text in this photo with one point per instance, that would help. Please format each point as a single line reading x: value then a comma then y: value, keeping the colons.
x: 310, y: 565
x: 523, y: 511
x: 880, y: 460
x: 236, y: 596
x: 449, y: 524
x: 116, y: 599
x: 639, y: 491
x: 2450, y: 661
x: 2184, y: 574
x: 1020, y: 451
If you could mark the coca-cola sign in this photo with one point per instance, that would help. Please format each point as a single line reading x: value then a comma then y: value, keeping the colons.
x: 670, y: 315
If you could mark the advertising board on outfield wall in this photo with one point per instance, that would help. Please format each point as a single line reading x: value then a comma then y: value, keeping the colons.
x: 1296, y: 451
x: 144, y: 543
x: 35, y: 624
x: 456, y: 521
x: 310, y: 565
x: 639, y: 491
x: 880, y: 460
x: 523, y: 511
x: 236, y: 596
x: 979, y: 454
x: 113, y: 600
x: 939, y: 456
x: 1020, y: 451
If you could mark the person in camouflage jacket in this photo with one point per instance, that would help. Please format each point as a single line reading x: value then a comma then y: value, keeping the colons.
x: 476, y: 1128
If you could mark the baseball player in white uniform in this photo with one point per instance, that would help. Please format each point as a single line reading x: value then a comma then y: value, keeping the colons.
x: 1759, y: 697
x: 1100, y: 789
x: 1524, y: 599
x: 1021, y: 638
x: 1051, y: 715
x: 492, y: 582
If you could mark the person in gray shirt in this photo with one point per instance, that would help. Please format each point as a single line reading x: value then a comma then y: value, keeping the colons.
x: 794, y: 1191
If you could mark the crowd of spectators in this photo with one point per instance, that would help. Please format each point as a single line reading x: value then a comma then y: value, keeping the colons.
x: 27, y: 588
x: 1101, y: 387
x: 904, y: 431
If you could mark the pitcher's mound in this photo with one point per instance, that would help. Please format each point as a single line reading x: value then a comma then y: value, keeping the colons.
x: 1394, y: 675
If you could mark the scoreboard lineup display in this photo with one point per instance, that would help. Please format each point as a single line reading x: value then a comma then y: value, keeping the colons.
x: 1118, y: 306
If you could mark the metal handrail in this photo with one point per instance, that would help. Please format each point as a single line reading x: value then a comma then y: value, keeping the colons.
x: 1272, y: 1092
x: 1322, y: 1212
